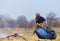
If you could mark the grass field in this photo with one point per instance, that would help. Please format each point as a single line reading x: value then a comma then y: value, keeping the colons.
x: 29, y: 37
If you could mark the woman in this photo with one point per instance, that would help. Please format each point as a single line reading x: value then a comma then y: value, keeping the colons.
x: 42, y: 29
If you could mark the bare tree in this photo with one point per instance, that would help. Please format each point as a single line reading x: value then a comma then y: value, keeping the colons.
x: 22, y: 21
x: 32, y: 24
x: 50, y: 18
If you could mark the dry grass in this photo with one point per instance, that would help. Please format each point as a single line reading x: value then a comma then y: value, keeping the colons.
x: 29, y: 37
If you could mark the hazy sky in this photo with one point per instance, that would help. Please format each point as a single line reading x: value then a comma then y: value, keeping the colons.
x: 28, y: 8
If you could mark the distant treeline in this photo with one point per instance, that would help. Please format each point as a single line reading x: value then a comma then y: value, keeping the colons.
x: 7, y: 22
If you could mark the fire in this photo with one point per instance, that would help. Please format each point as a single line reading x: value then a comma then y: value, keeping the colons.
x: 19, y: 30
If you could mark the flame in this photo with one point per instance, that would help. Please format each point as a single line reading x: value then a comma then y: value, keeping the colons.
x: 19, y: 30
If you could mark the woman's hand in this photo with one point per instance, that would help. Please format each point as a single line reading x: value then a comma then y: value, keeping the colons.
x: 38, y: 24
